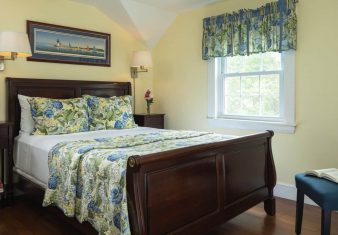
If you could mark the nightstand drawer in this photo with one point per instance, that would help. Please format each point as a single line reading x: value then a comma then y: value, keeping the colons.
x: 150, y: 120
x: 4, y: 136
x: 4, y: 131
x: 3, y: 142
x: 6, y: 150
x: 154, y: 121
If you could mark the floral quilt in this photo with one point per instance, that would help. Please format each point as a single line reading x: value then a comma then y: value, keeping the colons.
x: 87, y: 178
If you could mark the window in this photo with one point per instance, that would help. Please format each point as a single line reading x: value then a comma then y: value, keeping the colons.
x: 253, y: 92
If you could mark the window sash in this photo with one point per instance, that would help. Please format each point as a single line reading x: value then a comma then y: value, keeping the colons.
x: 221, y: 97
x: 284, y: 124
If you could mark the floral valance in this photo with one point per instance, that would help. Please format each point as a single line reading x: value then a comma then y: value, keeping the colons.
x: 272, y: 27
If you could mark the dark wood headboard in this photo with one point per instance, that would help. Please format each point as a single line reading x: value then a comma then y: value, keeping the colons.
x: 60, y: 89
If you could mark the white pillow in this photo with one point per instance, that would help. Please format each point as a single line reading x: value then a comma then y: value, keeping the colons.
x: 27, y: 122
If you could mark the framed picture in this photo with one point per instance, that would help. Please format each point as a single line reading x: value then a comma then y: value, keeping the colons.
x: 60, y: 44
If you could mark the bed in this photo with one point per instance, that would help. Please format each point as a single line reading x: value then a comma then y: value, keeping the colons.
x: 205, y: 185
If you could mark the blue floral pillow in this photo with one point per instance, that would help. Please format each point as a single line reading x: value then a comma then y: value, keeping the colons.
x: 59, y: 116
x: 110, y: 113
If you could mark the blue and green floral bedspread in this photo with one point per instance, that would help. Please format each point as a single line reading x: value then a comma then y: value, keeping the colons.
x: 87, y: 178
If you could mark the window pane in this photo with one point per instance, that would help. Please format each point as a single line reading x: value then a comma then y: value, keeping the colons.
x: 272, y: 61
x: 252, y: 92
x: 232, y: 86
x: 270, y: 84
x: 250, y: 105
x: 232, y: 105
x: 250, y: 85
x: 233, y: 64
x: 251, y: 63
x: 270, y: 105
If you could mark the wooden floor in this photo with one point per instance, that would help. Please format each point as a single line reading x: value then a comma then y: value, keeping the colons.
x: 23, y: 218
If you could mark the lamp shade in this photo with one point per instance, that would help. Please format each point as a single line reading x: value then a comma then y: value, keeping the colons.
x: 14, y: 42
x: 142, y: 58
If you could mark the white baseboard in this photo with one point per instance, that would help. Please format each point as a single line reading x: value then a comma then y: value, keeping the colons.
x: 289, y: 191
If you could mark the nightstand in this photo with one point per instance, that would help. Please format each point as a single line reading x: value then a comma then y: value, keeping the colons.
x: 6, y: 143
x: 150, y: 120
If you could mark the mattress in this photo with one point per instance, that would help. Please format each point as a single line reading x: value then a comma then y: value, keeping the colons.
x: 31, y: 151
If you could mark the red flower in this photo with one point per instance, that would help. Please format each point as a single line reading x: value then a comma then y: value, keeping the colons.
x: 148, y: 97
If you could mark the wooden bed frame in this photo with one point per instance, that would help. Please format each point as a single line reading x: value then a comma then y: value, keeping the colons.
x: 184, y: 191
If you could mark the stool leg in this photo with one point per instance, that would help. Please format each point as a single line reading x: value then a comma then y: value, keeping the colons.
x: 326, y: 222
x: 299, y: 211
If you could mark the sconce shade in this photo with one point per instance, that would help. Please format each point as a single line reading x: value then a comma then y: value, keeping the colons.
x: 14, y: 42
x: 142, y: 59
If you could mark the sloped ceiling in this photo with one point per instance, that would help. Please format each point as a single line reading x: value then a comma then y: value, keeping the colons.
x: 147, y: 20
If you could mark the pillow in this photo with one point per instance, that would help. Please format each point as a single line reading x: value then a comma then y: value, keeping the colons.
x: 59, y: 116
x: 109, y: 113
x: 27, y: 122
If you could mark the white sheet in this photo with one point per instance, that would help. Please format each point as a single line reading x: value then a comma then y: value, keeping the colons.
x: 31, y: 151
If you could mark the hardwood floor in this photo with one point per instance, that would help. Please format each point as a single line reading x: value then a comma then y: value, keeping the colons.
x: 24, y: 218
x: 256, y: 222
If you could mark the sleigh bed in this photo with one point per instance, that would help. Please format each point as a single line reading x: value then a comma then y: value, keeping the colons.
x: 188, y: 190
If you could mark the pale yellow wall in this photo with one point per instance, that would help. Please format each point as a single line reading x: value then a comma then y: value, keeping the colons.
x: 180, y: 83
x: 14, y: 14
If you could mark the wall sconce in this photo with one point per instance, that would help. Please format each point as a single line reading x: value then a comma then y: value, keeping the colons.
x: 141, y: 61
x: 13, y: 45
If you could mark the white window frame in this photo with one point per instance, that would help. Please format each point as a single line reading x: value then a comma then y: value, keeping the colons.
x: 283, y: 124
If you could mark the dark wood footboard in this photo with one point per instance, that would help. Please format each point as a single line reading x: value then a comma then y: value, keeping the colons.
x: 191, y: 190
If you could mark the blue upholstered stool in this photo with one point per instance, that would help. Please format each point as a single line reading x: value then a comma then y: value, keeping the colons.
x: 321, y: 191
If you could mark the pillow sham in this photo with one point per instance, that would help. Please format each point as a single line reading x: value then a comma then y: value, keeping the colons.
x: 26, y: 122
x: 109, y: 113
x: 59, y: 116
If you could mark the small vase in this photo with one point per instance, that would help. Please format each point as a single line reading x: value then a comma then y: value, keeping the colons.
x: 148, y: 108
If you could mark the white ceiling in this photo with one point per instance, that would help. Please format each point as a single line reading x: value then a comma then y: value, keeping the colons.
x: 177, y: 5
x: 147, y: 20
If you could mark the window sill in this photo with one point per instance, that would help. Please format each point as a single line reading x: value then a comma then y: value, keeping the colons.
x: 278, y: 127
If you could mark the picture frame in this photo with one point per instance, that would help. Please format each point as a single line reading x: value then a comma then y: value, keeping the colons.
x: 61, y: 44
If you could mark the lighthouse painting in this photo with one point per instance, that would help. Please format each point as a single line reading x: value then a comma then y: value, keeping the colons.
x: 52, y: 43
